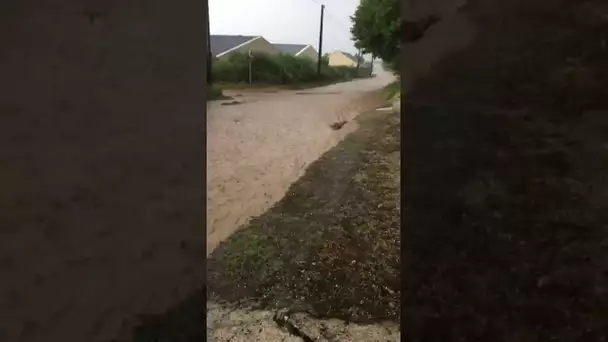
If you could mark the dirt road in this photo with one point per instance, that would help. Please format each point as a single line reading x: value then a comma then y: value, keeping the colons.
x: 258, y: 147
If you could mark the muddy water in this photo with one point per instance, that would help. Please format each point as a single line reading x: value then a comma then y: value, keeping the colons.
x: 257, y: 149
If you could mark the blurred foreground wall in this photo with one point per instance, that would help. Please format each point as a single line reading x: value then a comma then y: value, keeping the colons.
x: 101, y: 165
x: 504, y: 152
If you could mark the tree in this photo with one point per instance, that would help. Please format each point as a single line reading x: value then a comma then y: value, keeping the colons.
x: 376, y: 29
x: 325, y: 60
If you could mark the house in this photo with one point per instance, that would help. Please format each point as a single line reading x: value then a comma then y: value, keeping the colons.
x: 222, y: 46
x: 341, y: 58
x: 298, y: 50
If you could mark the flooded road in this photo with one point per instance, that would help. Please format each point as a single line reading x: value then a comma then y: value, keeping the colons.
x: 257, y: 148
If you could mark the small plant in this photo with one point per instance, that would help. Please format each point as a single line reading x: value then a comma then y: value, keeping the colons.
x: 214, y: 93
x: 393, y: 90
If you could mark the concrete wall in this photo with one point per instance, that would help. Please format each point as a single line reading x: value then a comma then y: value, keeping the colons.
x: 339, y: 59
x: 101, y: 165
x: 259, y: 45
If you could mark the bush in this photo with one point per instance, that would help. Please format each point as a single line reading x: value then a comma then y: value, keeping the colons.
x: 276, y: 69
x: 214, y: 93
x: 392, y: 66
x: 233, y: 70
x: 344, y: 72
x: 297, y: 69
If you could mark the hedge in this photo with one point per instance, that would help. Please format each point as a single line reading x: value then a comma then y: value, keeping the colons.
x: 276, y: 69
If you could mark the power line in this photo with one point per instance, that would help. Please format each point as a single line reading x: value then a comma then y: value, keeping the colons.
x: 331, y: 33
x: 331, y: 15
x: 339, y: 21
x: 336, y: 22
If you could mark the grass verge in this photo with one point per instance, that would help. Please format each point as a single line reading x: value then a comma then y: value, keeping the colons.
x: 393, y: 90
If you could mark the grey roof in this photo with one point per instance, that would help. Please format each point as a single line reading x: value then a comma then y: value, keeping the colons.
x: 352, y: 57
x: 221, y: 43
x: 290, y: 49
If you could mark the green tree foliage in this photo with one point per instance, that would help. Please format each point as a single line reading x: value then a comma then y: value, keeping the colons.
x: 376, y: 28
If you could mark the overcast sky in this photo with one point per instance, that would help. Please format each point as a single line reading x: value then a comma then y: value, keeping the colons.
x: 286, y: 21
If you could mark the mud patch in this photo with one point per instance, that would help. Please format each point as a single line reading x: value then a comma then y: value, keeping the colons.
x: 331, y: 246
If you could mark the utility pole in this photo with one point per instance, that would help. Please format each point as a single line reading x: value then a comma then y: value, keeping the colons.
x: 320, y: 43
x: 371, y: 69
x: 359, y: 59
x: 209, y: 54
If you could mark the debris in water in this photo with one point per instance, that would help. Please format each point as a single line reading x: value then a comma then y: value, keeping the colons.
x: 337, y: 125
x: 231, y: 103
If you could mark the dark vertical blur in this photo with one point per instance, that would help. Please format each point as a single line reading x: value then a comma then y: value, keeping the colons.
x: 504, y: 191
x: 102, y: 152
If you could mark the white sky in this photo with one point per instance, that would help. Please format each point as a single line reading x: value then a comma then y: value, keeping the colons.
x: 286, y: 21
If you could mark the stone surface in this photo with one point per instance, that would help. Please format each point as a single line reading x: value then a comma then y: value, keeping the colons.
x: 245, y: 324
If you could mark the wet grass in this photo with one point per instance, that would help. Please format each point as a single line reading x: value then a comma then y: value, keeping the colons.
x: 393, y: 90
x: 331, y: 246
